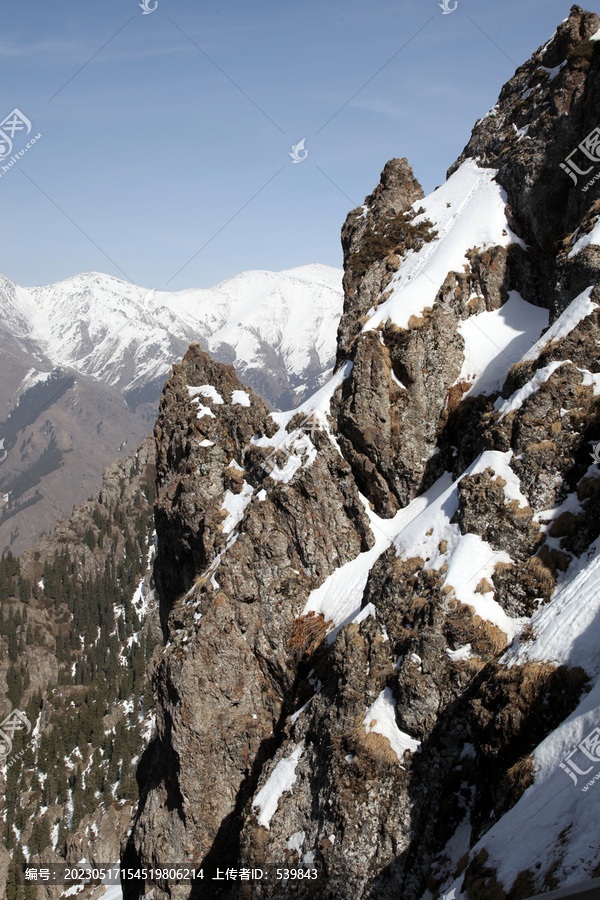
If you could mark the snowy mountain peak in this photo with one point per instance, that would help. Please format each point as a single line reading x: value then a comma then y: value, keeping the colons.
x: 126, y: 336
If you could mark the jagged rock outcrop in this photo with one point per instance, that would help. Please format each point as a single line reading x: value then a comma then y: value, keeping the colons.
x: 369, y: 234
x: 333, y: 691
x: 389, y: 409
x: 554, y: 113
x: 543, y: 113
x: 248, y: 549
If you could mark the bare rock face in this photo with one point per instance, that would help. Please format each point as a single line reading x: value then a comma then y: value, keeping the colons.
x: 483, y: 510
x: 98, y: 837
x: 391, y: 408
x: 189, y: 483
x: 541, y: 117
x: 399, y: 403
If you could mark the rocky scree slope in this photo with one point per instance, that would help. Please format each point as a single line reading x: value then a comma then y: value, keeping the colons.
x: 381, y: 621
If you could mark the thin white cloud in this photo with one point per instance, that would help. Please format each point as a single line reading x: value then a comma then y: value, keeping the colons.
x: 33, y: 48
x: 78, y: 53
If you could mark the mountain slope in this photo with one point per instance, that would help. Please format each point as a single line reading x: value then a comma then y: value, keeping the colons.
x: 78, y: 624
x: 364, y: 671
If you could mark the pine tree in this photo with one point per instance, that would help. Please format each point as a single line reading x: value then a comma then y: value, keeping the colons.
x: 63, y: 833
x: 128, y: 789
x: 14, y: 684
x: 78, y: 802
x: 89, y: 538
x: 40, y: 835
x: 13, y: 877
x: 13, y: 644
x: 62, y: 787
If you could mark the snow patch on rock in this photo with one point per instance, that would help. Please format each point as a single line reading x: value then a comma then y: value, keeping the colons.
x: 282, y: 778
x: 381, y: 719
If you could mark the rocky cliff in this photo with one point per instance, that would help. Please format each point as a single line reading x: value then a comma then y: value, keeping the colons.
x: 378, y: 609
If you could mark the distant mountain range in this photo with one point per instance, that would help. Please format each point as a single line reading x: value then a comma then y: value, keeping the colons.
x: 83, y: 361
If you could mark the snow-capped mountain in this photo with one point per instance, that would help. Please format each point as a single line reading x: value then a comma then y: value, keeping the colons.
x: 281, y: 324
x: 83, y: 361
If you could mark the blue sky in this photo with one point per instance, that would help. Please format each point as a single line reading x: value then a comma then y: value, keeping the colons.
x: 164, y: 155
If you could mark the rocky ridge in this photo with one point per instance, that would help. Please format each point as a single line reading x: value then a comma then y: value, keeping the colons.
x: 338, y: 594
